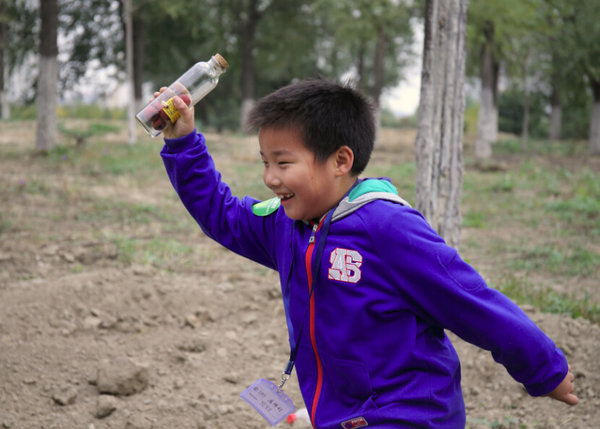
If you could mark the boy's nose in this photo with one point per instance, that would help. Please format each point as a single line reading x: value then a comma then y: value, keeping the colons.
x: 271, y: 180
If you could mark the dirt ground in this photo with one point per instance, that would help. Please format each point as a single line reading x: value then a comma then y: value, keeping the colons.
x: 196, y: 331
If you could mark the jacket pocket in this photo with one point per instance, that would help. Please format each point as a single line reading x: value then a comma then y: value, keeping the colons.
x: 348, y: 381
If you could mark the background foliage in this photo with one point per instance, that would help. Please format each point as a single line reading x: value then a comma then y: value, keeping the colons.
x: 540, y: 46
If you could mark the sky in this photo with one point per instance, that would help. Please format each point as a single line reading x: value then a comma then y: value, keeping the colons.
x: 403, y: 100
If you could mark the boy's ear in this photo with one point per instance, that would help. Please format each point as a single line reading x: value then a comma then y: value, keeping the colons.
x: 344, y: 159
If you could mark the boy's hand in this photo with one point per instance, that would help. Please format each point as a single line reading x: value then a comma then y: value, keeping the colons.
x: 564, y: 391
x: 185, y: 124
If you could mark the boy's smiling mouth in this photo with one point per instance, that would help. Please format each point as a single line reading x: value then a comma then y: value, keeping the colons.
x: 285, y: 197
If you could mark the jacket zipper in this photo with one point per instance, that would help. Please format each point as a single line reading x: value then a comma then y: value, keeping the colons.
x: 308, y: 261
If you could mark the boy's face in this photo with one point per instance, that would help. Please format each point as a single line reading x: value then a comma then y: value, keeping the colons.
x: 304, y: 185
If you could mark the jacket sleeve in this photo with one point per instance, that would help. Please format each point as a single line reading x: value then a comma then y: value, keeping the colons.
x: 448, y: 293
x: 222, y: 216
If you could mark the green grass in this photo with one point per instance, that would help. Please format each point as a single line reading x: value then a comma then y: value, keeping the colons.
x: 571, y: 197
x: 82, y: 135
x: 402, y: 176
x: 126, y: 160
x: 473, y: 219
x: 580, y: 206
x: 32, y: 186
x: 247, y: 180
x: 548, y: 300
x: 506, y: 184
x: 5, y: 224
x: 159, y: 252
x: 512, y: 146
x: 110, y: 211
x: 538, y: 219
x: 572, y: 261
x: 102, y: 160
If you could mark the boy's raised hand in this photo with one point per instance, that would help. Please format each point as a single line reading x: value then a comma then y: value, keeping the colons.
x: 564, y: 391
x: 185, y: 124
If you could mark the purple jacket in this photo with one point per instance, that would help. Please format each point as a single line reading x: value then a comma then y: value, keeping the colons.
x: 372, y: 348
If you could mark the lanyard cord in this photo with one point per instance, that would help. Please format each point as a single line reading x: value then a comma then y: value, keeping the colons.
x: 319, y: 252
x: 326, y: 222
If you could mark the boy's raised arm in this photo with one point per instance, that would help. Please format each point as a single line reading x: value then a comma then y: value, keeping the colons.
x: 221, y: 215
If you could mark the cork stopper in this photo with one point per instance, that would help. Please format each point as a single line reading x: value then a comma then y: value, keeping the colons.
x: 222, y: 62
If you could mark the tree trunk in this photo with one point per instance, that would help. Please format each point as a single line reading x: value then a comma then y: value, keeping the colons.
x: 555, y: 103
x: 441, y: 112
x: 555, y: 122
x: 487, y: 122
x: 48, y: 76
x: 595, y: 120
x: 360, y: 67
x: 247, y: 44
x: 139, y: 57
x: 378, y: 81
x: 526, y: 104
x: 4, y: 69
x: 525, y: 123
x: 131, y: 106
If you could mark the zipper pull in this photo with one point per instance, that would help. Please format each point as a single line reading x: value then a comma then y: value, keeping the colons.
x: 314, y: 232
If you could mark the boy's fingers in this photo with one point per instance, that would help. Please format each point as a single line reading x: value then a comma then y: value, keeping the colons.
x: 179, y: 105
x: 571, y: 399
x: 179, y: 102
x: 160, y: 91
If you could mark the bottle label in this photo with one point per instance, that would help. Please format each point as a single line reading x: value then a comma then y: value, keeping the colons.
x: 170, y: 110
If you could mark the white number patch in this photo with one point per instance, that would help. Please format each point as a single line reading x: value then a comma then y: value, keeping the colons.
x: 345, y: 265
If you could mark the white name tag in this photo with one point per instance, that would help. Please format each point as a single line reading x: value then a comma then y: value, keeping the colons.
x: 270, y: 402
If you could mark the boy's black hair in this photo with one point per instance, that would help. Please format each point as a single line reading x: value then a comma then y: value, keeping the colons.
x: 328, y: 116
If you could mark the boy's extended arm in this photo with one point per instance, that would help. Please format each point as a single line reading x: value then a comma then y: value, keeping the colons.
x: 446, y: 292
x: 565, y: 390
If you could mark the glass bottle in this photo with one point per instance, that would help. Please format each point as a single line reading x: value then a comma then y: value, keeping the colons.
x: 191, y: 86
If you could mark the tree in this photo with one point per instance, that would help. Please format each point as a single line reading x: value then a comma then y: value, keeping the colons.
x: 525, y: 64
x: 131, y: 102
x: 4, y: 31
x: 250, y: 15
x: 441, y: 111
x: 487, y: 120
x: 168, y: 37
x: 267, y: 43
x: 582, y: 24
x: 539, y: 58
x: 48, y: 76
x: 370, y: 38
x: 95, y: 30
x: 277, y: 42
x: 554, y: 35
x: 492, y: 25
x: 17, y: 40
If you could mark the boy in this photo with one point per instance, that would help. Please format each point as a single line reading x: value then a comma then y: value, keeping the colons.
x: 368, y: 286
